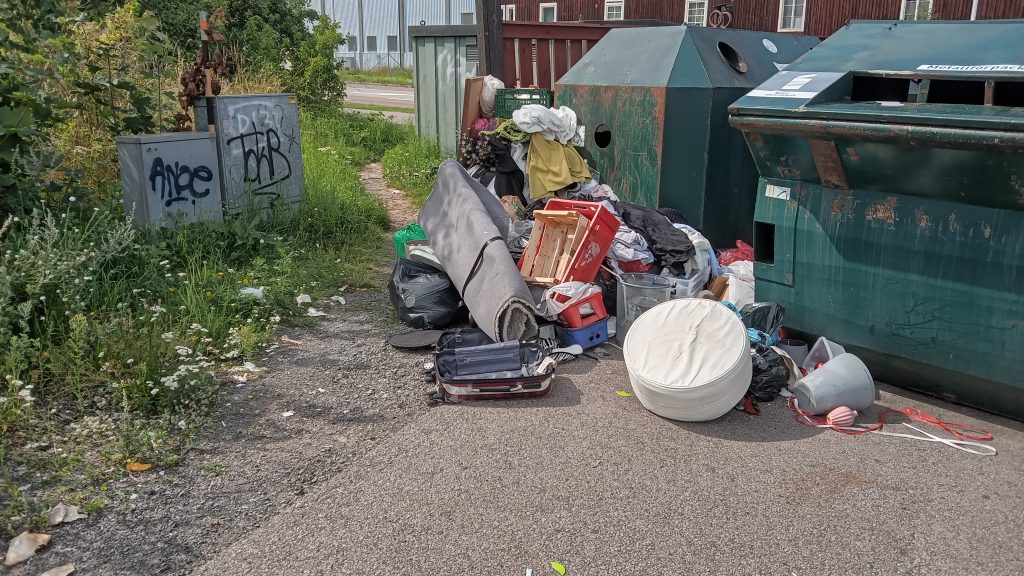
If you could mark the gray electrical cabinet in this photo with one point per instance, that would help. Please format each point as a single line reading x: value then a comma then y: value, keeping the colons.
x: 170, y: 178
x: 260, y: 149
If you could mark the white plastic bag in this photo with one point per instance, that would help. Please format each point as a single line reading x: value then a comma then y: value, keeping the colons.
x: 550, y: 309
x: 489, y: 94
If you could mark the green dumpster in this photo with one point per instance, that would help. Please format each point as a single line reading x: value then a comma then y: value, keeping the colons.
x: 890, y: 208
x: 654, y: 103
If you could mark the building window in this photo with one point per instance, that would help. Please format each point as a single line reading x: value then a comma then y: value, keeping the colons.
x: 791, y: 15
x: 352, y: 44
x: 696, y: 12
x: 371, y: 43
x: 549, y: 12
x: 508, y: 12
x: 614, y: 10
x: 917, y: 9
x: 467, y: 18
x: 392, y: 43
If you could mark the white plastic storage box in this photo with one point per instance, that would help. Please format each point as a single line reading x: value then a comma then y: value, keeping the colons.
x: 260, y: 149
x: 691, y: 285
x: 170, y: 178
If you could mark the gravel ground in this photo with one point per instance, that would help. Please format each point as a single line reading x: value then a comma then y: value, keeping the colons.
x: 347, y: 388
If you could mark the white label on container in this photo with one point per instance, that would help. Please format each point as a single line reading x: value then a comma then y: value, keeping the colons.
x: 983, y: 68
x: 770, y: 46
x: 773, y: 191
x: 800, y: 85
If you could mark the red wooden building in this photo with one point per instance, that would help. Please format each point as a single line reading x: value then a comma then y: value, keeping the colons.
x: 815, y: 17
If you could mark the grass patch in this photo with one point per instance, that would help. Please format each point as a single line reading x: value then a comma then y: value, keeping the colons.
x: 393, y: 77
x: 412, y: 166
x: 111, y: 339
x: 378, y: 107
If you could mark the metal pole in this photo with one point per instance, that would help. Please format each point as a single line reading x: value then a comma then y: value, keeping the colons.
x: 362, y: 38
x: 323, y: 9
x: 204, y: 64
x: 974, y: 10
x: 448, y: 12
x: 490, y: 42
x: 402, y: 27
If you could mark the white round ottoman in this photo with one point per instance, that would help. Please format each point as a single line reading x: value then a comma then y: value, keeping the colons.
x: 688, y: 359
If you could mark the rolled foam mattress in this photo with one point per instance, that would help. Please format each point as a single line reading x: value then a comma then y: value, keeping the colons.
x: 688, y: 359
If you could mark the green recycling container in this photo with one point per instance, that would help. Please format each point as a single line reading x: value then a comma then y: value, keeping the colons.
x: 890, y: 208
x: 654, y: 103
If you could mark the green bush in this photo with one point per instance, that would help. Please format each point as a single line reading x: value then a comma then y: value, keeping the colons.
x: 412, y: 166
x: 315, y: 75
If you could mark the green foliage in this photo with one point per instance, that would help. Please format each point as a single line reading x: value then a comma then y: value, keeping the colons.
x: 393, y: 76
x: 412, y: 167
x: 315, y: 76
x: 265, y: 32
x: 65, y: 74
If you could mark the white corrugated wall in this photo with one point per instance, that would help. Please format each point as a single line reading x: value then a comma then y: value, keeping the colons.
x: 380, y: 20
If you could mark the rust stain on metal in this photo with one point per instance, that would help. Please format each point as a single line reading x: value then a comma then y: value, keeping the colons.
x: 838, y: 206
x: 827, y: 161
x: 922, y: 218
x: 851, y: 153
x: 885, y: 211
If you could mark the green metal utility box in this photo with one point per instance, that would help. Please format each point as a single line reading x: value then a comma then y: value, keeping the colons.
x: 890, y: 209
x: 654, y: 103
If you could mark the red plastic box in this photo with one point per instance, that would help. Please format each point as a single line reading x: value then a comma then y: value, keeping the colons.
x: 573, y: 316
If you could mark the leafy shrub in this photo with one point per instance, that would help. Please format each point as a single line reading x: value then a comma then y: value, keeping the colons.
x: 315, y: 75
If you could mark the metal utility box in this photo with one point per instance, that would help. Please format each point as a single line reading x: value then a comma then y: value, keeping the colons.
x: 170, y: 178
x: 654, y: 103
x: 890, y: 209
x: 443, y: 58
x: 260, y: 147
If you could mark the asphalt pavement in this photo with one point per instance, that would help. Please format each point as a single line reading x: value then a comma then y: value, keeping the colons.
x: 589, y: 478
x: 380, y: 94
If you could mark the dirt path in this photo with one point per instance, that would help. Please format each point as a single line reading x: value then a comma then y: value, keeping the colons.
x: 328, y: 394
x: 401, y: 211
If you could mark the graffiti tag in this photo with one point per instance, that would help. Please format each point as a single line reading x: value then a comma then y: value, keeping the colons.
x: 177, y: 182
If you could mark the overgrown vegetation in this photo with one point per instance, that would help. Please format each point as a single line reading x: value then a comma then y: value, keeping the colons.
x: 393, y: 76
x: 412, y: 166
x: 113, y: 340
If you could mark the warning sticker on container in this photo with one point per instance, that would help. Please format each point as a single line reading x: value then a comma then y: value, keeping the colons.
x: 800, y: 85
x: 773, y: 191
x: 982, y: 68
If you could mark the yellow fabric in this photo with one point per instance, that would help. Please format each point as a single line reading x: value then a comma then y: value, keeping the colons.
x: 551, y: 166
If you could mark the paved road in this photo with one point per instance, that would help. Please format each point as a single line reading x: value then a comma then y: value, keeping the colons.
x: 593, y: 480
x: 380, y: 95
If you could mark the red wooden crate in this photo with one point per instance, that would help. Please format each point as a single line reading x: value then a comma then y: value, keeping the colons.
x: 588, y: 252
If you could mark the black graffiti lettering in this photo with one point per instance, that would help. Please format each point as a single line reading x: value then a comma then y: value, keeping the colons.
x: 177, y: 182
x: 264, y: 164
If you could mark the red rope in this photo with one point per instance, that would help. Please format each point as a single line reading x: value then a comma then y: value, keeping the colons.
x: 959, y: 431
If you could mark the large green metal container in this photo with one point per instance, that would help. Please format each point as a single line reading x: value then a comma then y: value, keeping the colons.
x: 890, y: 209
x: 654, y: 102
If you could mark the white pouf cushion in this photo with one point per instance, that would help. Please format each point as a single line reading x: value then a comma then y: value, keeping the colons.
x: 688, y: 359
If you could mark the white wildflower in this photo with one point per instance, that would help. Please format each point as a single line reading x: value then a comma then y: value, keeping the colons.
x: 167, y: 336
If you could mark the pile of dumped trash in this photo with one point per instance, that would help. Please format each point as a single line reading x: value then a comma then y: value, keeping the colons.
x: 522, y: 258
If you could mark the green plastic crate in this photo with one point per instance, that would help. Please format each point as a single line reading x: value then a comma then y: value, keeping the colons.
x: 508, y: 100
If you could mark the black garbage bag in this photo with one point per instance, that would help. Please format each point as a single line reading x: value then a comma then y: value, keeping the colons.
x: 770, y: 374
x: 424, y: 297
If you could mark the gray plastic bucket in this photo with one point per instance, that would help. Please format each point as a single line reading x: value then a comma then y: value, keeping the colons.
x: 638, y: 293
x: 842, y: 381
